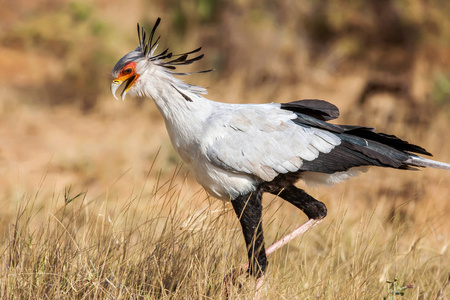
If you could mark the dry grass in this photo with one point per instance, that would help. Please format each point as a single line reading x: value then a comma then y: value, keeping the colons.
x: 160, y: 244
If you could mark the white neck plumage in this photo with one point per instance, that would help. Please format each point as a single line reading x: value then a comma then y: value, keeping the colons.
x: 182, y: 106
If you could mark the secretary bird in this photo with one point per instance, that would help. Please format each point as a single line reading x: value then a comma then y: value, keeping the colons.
x: 237, y: 152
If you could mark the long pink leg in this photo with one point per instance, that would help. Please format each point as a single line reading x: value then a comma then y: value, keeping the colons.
x: 290, y: 236
x: 274, y: 247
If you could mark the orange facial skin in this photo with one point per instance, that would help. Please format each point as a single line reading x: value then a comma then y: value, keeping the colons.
x: 128, y: 72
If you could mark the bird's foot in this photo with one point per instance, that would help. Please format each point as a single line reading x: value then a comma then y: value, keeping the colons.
x: 258, y: 287
x: 231, y: 280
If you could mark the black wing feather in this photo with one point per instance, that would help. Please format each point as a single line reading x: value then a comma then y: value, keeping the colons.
x: 360, y: 146
x: 318, y: 109
x: 386, y: 139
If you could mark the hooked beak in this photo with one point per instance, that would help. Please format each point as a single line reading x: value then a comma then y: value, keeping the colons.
x: 116, y: 83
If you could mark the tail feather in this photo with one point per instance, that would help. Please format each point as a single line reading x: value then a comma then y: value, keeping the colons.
x: 424, y: 162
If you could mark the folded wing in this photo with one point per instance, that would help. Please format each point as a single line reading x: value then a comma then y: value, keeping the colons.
x: 264, y: 141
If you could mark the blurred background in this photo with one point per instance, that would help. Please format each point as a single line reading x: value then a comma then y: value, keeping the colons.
x: 91, y: 188
x: 385, y: 63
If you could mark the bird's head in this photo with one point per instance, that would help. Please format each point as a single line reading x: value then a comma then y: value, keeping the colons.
x: 131, y: 68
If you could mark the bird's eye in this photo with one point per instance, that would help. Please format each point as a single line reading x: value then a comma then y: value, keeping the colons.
x: 127, y: 71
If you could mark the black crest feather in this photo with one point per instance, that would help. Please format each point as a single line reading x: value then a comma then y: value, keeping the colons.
x: 148, y: 47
